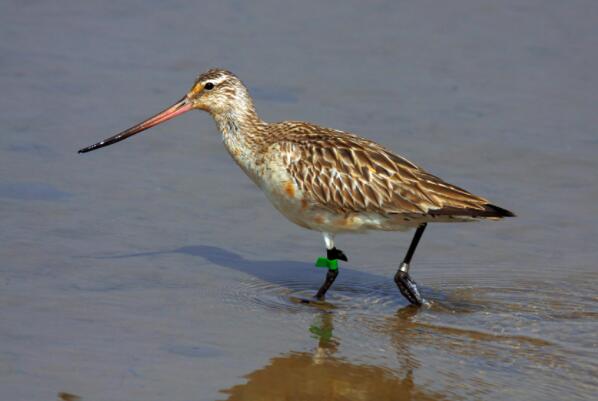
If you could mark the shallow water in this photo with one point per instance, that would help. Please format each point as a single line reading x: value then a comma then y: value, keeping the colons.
x: 154, y: 269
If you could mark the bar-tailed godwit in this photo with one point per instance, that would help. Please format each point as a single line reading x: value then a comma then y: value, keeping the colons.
x: 323, y: 179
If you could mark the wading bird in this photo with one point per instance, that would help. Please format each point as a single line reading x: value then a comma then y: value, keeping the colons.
x: 324, y: 179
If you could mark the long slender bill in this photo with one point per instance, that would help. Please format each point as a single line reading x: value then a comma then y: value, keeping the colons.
x: 180, y: 107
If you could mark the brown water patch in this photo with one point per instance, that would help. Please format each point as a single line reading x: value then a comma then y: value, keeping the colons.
x: 68, y: 397
x: 322, y: 375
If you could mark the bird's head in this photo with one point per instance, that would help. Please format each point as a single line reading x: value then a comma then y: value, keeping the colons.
x: 217, y: 91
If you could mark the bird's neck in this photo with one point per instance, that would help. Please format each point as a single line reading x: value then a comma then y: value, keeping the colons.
x: 243, y: 133
x: 241, y: 129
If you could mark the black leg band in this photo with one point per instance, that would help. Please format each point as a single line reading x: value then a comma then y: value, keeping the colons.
x: 334, y: 254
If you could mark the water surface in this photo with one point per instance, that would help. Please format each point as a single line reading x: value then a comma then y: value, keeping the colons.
x: 153, y: 269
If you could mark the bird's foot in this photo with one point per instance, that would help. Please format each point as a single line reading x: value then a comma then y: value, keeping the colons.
x: 408, y: 288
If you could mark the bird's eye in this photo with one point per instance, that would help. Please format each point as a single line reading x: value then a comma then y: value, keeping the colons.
x: 208, y: 86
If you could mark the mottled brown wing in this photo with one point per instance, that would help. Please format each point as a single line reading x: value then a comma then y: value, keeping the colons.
x: 345, y: 173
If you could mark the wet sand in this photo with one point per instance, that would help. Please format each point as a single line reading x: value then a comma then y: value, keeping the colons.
x: 155, y: 270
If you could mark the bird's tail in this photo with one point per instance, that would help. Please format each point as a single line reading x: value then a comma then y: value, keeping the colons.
x: 489, y: 211
x: 495, y: 211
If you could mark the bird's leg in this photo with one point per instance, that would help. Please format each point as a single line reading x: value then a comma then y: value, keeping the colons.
x: 330, y: 262
x: 407, y: 286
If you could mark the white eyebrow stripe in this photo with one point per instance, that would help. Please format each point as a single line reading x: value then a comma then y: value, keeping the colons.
x: 217, y: 81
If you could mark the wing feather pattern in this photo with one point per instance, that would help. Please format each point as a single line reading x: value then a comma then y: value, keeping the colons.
x: 345, y: 173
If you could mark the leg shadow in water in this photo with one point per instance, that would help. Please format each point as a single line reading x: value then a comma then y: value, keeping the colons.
x: 352, y: 289
x: 271, y: 271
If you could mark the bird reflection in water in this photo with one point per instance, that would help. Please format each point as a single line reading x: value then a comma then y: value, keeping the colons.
x: 321, y: 375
